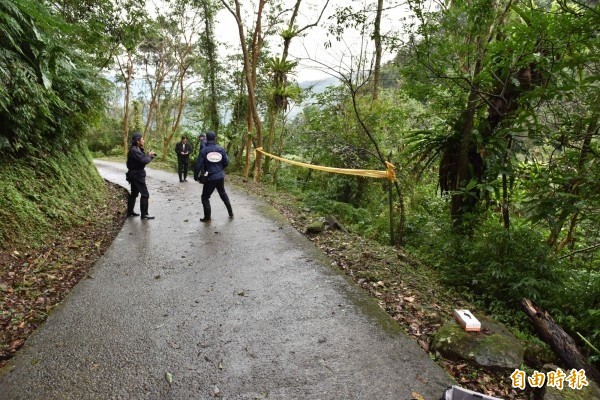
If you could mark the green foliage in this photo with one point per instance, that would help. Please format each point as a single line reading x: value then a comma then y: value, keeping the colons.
x: 501, y: 84
x: 562, y: 188
x: 92, y: 24
x: 507, y: 265
x: 279, y: 67
x: 42, y: 196
x: 106, y: 137
x: 288, y: 33
x: 535, y: 157
x: 427, y: 224
x: 48, y: 93
x: 348, y: 214
x: 135, y: 123
x: 497, y: 268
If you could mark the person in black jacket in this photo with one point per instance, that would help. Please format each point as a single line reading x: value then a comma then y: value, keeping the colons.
x: 183, y: 150
x: 212, y: 162
x: 201, y: 142
x: 136, y: 176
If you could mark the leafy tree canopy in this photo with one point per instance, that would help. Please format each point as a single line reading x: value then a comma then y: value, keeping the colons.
x: 48, y: 93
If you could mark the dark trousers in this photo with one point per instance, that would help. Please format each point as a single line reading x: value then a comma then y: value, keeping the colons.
x: 138, y: 187
x: 183, y: 164
x: 208, y: 189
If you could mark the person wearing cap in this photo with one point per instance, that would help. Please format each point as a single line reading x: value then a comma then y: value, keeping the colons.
x: 212, y: 162
x: 183, y: 150
x: 136, y: 176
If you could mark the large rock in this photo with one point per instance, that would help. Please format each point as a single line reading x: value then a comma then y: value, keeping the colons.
x: 537, y: 355
x: 494, y: 347
x: 315, y: 228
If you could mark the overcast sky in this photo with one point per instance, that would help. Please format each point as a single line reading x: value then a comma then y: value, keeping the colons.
x: 312, y: 45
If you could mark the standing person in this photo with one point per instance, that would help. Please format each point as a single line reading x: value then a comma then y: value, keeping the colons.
x: 183, y: 150
x: 136, y: 176
x: 202, y: 142
x: 212, y: 161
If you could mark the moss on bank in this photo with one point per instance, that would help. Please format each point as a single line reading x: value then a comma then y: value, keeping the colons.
x: 42, y: 196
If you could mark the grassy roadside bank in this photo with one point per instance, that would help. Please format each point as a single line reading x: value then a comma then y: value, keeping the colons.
x: 44, y: 195
x: 57, y: 217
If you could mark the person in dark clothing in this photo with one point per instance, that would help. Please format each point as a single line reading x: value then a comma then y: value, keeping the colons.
x: 211, y: 162
x: 201, y: 142
x: 183, y: 150
x: 136, y: 176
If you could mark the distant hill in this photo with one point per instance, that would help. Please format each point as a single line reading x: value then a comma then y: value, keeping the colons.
x: 319, y: 85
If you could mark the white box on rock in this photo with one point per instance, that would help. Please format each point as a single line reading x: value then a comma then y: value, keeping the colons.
x: 467, y: 320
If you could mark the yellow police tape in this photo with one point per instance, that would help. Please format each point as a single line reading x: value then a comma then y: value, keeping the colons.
x: 388, y: 174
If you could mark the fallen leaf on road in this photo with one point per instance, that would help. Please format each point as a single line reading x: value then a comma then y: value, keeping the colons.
x: 417, y: 396
x: 169, y: 378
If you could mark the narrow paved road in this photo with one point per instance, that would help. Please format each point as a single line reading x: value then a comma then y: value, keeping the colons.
x: 236, y: 309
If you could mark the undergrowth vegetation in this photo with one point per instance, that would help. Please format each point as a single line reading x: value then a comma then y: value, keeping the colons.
x: 493, y: 267
x: 44, y: 195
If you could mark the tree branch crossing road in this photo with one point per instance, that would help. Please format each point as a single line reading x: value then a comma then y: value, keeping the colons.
x: 245, y: 308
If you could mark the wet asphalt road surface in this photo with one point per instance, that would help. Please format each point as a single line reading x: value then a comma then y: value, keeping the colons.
x: 242, y: 308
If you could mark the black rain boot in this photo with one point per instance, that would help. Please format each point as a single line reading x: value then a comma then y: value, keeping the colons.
x: 225, y: 199
x: 180, y: 180
x: 229, y: 209
x: 206, y: 215
x: 130, y: 206
x: 144, y: 208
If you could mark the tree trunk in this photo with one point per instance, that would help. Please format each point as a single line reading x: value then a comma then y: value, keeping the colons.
x: 462, y: 203
x: 464, y: 163
x: 180, y: 106
x: 505, y: 197
x: 127, y: 73
x: 212, y: 65
x: 275, y: 108
x: 561, y: 343
x: 126, y: 118
x: 241, y: 113
x: 378, y: 51
x: 399, y: 236
x: 250, y: 56
x: 155, y: 91
x: 270, y: 137
x: 572, y: 187
x: 257, y: 42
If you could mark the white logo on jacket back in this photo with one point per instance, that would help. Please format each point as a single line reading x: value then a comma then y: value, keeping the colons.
x: 214, y: 157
